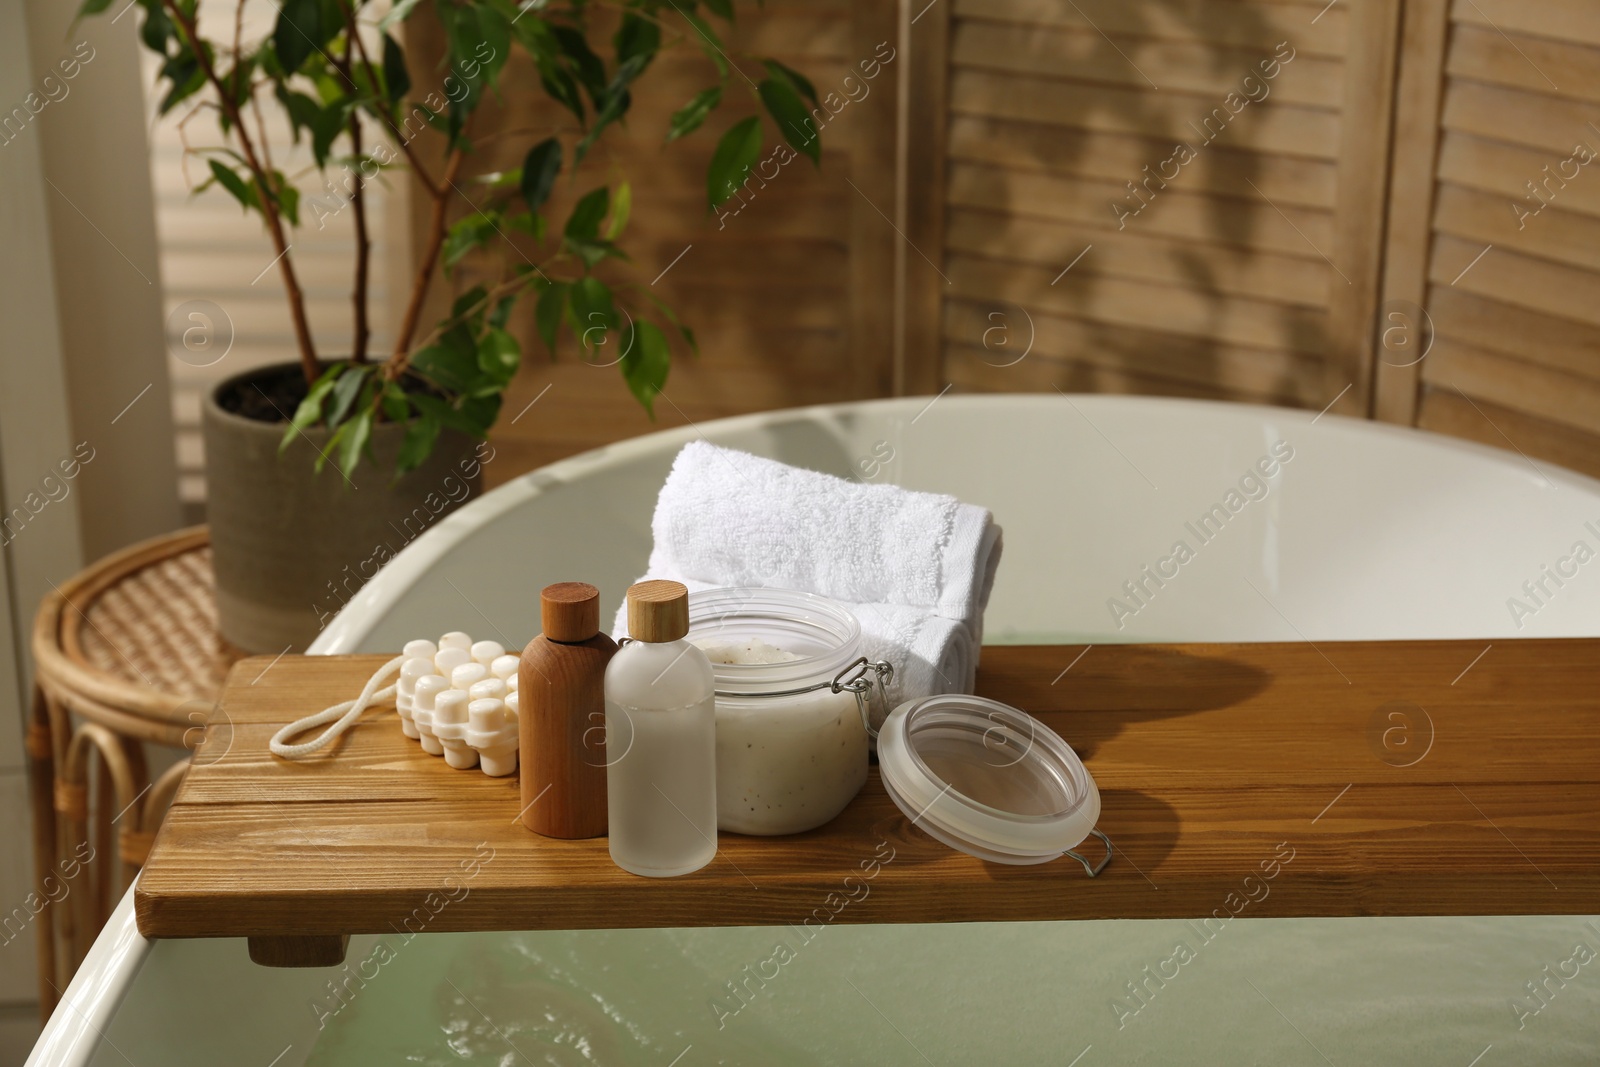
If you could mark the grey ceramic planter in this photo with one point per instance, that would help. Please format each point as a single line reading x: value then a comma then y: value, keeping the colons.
x: 291, y: 546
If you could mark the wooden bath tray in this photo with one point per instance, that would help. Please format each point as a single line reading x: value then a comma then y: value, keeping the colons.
x: 1358, y: 778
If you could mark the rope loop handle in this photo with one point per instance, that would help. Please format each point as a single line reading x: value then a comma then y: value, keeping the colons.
x: 346, y: 713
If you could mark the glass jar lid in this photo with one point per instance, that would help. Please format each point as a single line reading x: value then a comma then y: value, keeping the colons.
x: 814, y: 638
x: 986, y: 778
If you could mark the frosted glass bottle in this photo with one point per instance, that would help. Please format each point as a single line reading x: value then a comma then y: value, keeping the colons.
x: 661, y: 742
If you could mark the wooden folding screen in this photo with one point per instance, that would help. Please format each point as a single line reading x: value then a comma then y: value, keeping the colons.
x: 1386, y: 206
x: 1494, y: 227
x: 1173, y: 196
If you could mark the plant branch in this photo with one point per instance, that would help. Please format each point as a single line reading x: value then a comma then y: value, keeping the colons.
x: 430, y: 260
x: 510, y: 285
x: 363, y: 248
x: 554, y: 128
x: 358, y: 201
x: 261, y: 130
x: 403, y: 141
x: 269, y: 206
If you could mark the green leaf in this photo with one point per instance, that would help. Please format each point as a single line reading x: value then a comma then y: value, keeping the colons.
x: 690, y: 116
x: 617, y: 101
x: 396, y: 79
x: 481, y: 411
x: 710, y: 43
x: 469, y: 308
x: 345, y: 392
x: 547, y: 315
x: 333, y: 12
x: 502, y: 311
x: 621, y: 208
x: 287, y: 197
x: 541, y: 44
x: 536, y: 37
x: 464, y: 235
x: 296, y: 35
x: 797, y: 81
x: 330, y: 89
x: 242, y: 192
x: 645, y: 364
x: 186, y: 76
x: 637, y: 37
x: 496, y: 31
x: 328, y: 124
x: 584, y: 222
x: 792, y: 118
x: 289, y: 202
x: 301, y: 109
x: 309, y: 413
x: 585, y: 65
x: 451, y: 363
x: 464, y: 35
x: 672, y: 317
x: 331, y: 448
x: 499, y: 355
x: 526, y: 222
x: 449, y: 415
x: 593, y: 252
x: 399, y: 13
x: 736, y: 153
x: 722, y: 8
x: 593, y: 311
x: 395, y: 404
x: 418, y: 443
x: 563, y: 89
x: 237, y: 79
x: 539, y: 170
x: 93, y: 7
x: 355, y: 441
x: 157, y: 29
x: 500, y: 179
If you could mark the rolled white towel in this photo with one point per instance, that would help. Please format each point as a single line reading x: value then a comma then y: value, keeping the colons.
x: 930, y: 654
x: 729, y: 518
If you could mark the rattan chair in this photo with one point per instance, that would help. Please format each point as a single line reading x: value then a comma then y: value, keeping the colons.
x: 126, y: 653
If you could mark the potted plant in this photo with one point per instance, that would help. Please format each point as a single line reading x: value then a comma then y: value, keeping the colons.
x: 291, y: 540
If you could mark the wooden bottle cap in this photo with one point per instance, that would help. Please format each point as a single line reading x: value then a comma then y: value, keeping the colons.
x: 658, y: 611
x: 569, y: 611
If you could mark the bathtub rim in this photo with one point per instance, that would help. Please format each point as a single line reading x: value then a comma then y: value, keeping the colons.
x: 355, y: 621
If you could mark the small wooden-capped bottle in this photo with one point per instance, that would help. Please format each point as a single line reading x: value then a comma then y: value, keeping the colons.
x: 658, y: 611
x: 661, y: 719
x: 561, y: 715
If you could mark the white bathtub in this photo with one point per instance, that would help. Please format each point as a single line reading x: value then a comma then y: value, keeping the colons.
x: 1365, y: 531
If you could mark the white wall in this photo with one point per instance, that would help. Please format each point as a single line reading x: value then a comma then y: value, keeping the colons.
x: 80, y: 300
x: 95, y: 153
x: 34, y: 435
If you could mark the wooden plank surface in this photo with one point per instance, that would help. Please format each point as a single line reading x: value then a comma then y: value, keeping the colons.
x: 1357, y: 248
x: 1239, y: 25
x: 1447, y: 411
x: 1036, y: 148
x: 1305, y: 132
x: 1230, y: 271
x: 1404, y: 778
x: 1402, y: 330
x: 1206, y: 71
x: 922, y: 282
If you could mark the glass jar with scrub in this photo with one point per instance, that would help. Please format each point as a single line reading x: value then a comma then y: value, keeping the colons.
x: 794, y: 695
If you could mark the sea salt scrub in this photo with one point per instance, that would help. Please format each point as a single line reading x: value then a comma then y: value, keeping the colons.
x: 786, y: 761
x: 753, y: 650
